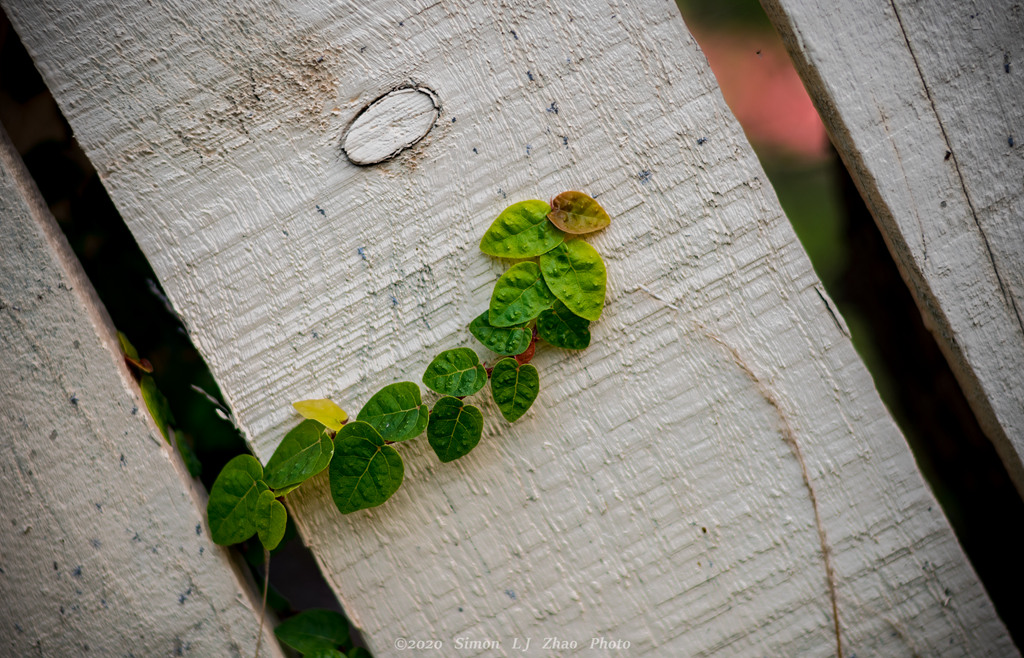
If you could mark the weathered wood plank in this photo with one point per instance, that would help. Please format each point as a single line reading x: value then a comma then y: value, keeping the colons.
x: 103, y: 550
x: 925, y: 103
x: 715, y: 474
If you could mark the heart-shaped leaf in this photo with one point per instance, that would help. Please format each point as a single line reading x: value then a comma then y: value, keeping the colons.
x: 519, y: 296
x: 455, y: 372
x: 323, y: 411
x: 231, y: 510
x: 304, y: 452
x: 454, y: 429
x: 364, y: 472
x: 562, y: 328
x: 514, y: 387
x: 575, y: 212
x: 576, y: 275
x: 395, y: 412
x: 521, y: 231
x: 313, y: 630
x: 271, y: 520
x: 506, y: 341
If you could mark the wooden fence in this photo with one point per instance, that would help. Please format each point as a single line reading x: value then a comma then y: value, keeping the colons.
x: 715, y: 475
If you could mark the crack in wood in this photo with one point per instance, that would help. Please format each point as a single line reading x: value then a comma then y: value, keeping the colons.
x: 905, y: 178
x: 951, y: 154
x: 789, y: 436
x: 832, y: 311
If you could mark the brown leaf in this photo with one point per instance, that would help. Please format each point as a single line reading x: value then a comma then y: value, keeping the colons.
x: 577, y: 213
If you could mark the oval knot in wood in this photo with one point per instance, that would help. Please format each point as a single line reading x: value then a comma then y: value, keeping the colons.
x: 391, y: 124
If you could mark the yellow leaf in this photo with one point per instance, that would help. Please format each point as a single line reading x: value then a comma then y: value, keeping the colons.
x: 325, y: 412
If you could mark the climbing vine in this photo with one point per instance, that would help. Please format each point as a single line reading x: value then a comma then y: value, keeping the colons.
x: 552, y: 295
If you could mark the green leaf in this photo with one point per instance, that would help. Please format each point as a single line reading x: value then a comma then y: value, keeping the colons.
x: 305, y: 451
x: 271, y: 520
x: 126, y: 346
x: 454, y: 429
x: 421, y: 422
x: 325, y: 653
x: 131, y: 355
x: 395, y: 412
x: 159, y: 407
x: 506, y: 341
x: 455, y: 372
x: 562, y: 328
x: 313, y: 630
x: 521, y: 231
x: 576, y: 275
x: 577, y: 213
x: 519, y: 296
x: 324, y: 411
x: 284, y: 491
x: 188, y: 455
x: 364, y: 472
x: 290, y: 533
x: 231, y: 510
x: 514, y: 387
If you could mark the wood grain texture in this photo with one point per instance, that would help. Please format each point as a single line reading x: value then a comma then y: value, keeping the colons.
x: 715, y: 474
x: 925, y: 104
x: 103, y: 549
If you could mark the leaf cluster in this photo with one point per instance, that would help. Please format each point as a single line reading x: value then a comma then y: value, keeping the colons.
x: 553, y: 294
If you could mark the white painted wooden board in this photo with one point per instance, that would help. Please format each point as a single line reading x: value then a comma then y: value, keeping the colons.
x: 925, y: 104
x: 714, y: 475
x: 103, y: 549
